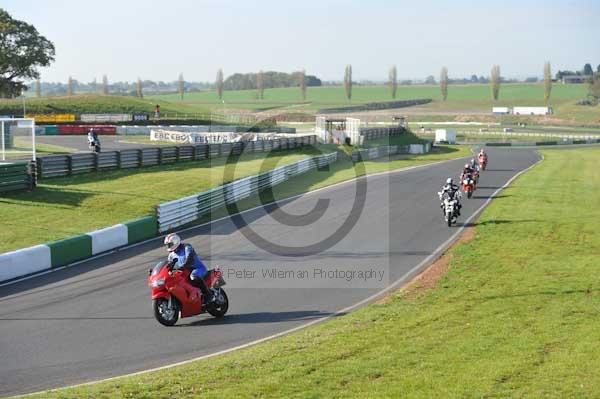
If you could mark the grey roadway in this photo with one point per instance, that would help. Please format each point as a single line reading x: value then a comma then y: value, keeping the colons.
x: 94, y: 321
x: 79, y: 143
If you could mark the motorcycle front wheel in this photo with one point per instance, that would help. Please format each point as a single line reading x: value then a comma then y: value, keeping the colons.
x: 449, y: 218
x: 165, y: 315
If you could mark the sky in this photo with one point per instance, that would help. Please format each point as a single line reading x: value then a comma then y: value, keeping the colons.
x: 157, y: 40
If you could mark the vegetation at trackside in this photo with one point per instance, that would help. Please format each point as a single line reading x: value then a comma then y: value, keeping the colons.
x: 94, y: 104
x: 98, y: 200
x: 517, y: 315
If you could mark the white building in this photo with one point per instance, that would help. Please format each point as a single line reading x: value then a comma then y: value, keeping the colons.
x: 500, y: 110
x: 532, y: 110
x: 445, y: 136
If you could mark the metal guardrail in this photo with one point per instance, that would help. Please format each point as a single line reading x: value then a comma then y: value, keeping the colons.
x: 185, y: 210
x: 67, y: 165
x: 17, y: 176
x: 386, y: 151
x: 370, y: 133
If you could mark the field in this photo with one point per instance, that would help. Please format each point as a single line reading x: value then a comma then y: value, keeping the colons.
x: 515, y: 316
x: 462, y: 99
x: 79, y: 104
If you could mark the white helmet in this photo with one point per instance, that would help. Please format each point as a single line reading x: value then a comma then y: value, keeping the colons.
x: 172, y: 241
x: 467, y: 165
x: 449, y: 180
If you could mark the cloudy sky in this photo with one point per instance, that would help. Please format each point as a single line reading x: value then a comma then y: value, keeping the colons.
x: 159, y: 39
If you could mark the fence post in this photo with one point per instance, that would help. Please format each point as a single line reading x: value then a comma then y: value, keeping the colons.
x: 118, y: 159
x: 140, y: 155
x: 177, y: 153
x: 69, y: 165
x: 96, y: 168
x: 160, y: 155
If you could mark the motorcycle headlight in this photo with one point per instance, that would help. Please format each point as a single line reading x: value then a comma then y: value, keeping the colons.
x: 157, y: 283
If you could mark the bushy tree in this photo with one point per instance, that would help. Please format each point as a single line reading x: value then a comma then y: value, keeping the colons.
x: 22, y: 51
x: 587, y: 70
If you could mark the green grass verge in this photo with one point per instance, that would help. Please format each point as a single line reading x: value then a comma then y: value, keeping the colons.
x: 516, y: 316
x: 62, y: 207
x: 80, y: 104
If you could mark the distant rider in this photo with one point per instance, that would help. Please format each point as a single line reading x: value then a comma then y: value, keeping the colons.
x: 474, y: 165
x: 467, y: 172
x: 93, y: 137
x: 452, y: 191
x: 183, y: 256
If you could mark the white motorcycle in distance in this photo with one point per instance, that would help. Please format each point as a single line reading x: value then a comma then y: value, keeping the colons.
x: 93, y: 143
x: 450, y: 206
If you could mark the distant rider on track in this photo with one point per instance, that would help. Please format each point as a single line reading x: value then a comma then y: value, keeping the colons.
x: 451, y: 190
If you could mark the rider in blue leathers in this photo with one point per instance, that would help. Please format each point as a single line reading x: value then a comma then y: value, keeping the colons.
x: 181, y: 256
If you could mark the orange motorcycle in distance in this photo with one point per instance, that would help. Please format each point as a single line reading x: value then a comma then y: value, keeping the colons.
x: 482, y: 161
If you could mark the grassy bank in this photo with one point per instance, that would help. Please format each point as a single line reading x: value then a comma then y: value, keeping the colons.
x: 95, y: 104
x: 516, y: 316
x: 92, y: 201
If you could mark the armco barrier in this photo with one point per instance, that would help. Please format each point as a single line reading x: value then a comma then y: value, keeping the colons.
x: 67, y: 165
x: 177, y: 213
x: 385, y: 151
x: 370, y: 133
x: 60, y: 253
x: 537, y: 143
x: 17, y: 176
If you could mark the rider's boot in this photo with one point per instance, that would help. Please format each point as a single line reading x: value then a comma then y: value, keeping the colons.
x: 208, y: 295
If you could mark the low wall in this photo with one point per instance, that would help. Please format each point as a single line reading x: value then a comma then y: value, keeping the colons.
x: 39, y: 258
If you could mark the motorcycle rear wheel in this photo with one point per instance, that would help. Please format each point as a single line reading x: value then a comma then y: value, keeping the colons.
x: 163, y: 314
x: 449, y: 219
x: 220, y: 307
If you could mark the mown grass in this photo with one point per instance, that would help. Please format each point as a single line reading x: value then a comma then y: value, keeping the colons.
x: 79, y: 104
x: 516, y: 316
x: 62, y: 207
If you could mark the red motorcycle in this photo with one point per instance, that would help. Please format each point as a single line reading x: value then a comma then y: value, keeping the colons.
x: 172, y: 294
x: 468, y: 185
x: 483, y: 161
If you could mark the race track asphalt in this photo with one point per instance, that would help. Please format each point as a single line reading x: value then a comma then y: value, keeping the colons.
x: 95, y: 321
x: 80, y: 143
